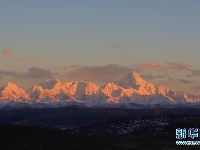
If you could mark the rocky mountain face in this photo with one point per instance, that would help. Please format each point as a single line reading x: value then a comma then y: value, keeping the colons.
x: 129, y: 91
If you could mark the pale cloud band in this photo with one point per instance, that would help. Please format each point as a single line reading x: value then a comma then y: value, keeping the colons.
x: 153, y: 66
x: 168, y: 65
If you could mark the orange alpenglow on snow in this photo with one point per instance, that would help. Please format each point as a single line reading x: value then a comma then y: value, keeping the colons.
x: 11, y: 91
x: 131, y: 88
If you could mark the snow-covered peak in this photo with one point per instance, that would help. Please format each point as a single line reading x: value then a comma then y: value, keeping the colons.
x: 50, y: 83
x: 162, y: 89
x: 11, y: 86
x: 133, y: 80
x: 136, y: 75
x: 13, y: 92
x: 57, y: 80
x: 131, y: 88
x: 76, y: 87
x: 109, y: 88
x: 35, y: 88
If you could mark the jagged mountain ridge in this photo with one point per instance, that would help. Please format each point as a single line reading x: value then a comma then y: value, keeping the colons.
x: 131, y: 89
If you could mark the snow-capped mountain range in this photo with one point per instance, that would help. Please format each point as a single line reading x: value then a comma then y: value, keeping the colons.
x: 130, y: 91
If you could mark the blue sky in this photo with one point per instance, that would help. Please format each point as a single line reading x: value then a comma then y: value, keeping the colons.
x: 52, y: 35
